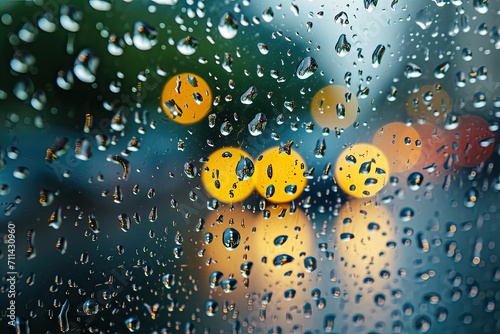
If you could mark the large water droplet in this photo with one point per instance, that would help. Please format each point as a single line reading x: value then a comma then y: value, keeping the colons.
x: 343, y: 46
x: 144, y: 36
x: 228, y: 26
x: 306, y: 68
x: 231, y: 238
x: 85, y: 66
x: 258, y: 124
x: 244, y: 168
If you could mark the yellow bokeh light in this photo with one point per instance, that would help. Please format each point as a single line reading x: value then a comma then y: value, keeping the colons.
x: 262, y: 240
x: 280, y: 176
x: 186, y: 98
x: 362, y: 170
x: 401, y: 144
x: 365, y: 239
x: 334, y: 107
x: 220, y: 178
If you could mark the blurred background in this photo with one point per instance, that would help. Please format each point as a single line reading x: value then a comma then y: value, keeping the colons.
x: 249, y: 166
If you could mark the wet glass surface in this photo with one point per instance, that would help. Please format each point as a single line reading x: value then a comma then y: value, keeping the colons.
x: 249, y: 166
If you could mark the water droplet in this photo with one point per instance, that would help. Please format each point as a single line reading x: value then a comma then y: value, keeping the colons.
x: 258, y: 124
x: 85, y: 66
x: 47, y: 22
x: 441, y: 69
x: 23, y: 88
x: 270, y: 190
x: 211, y: 308
x: 70, y: 18
x: 229, y: 285
x: 282, y: 259
x: 289, y: 294
x: 310, y: 264
x: 423, y: 19
x: 132, y: 324
x: 415, y: 180
x: 249, y: 96
x: 215, y: 279
x: 451, y: 122
x: 412, y: 71
x: 187, y: 46
x: 342, y: 19
x: 346, y: 237
x: 406, y: 214
x: 144, y: 36
x: 90, y: 307
x: 280, y: 240
x: 370, y: 5
x: 246, y: 269
x: 343, y: 46
x: 22, y: 61
x: 62, y: 318
x: 306, y: 68
x: 479, y: 100
x: 481, y: 6
x: 231, y: 238
x: 263, y: 48
x: 21, y: 173
x: 101, y: 5
x: 124, y: 222
x: 244, y: 168
x: 377, y: 55
x: 228, y: 26
x: 226, y: 128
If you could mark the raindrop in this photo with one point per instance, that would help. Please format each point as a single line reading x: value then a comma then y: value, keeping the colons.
x: 406, y: 214
x: 90, y: 307
x: 249, y: 96
x: 187, y: 46
x: 70, y: 18
x: 415, y: 180
x: 346, y: 237
x: 258, y: 124
x: 244, y: 168
x: 133, y: 324
x: 306, y: 68
x: 231, y: 238
x: 412, y: 71
x: 423, y: 19
x: 343, y: 46
x: 215, y: 279
x: 280, y: 240
x: 101, y: 5
x: 268, y: 14
x: 377, y: 55
x: 281, y: 260
x: 310, y: 264
x: 85, y: 66
x: 370, y: 5
x: 440, y: 70
x: 211, y: 308
x: 228, y: 26
x: 144, y: 36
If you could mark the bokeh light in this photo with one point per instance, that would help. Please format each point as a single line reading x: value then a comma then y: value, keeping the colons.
x: 334, y: 106
x: 401, y: 144
x: 435, y: 157
x: 362, y: 170
x: 279, y: 175
x: 471, y: 141
x: 228, y: 175
x: 363, y: 229
x: 186, y: 98
x: 430, y: 103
